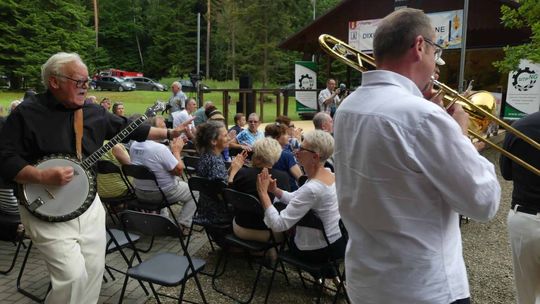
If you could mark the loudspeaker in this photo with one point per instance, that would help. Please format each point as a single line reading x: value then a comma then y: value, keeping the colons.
x: 246, y: 82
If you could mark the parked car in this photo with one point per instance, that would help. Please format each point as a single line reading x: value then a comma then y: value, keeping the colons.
x: 144, y: 83
x: 114, y: 83
x: 187, y: 86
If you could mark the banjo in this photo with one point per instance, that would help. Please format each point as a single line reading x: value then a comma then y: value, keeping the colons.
x: 55, y: 203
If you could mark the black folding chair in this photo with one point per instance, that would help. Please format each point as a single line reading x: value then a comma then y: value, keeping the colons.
x: 9, y: 225
x: 166, y: 269
x: 112, y: 203
x: 212, y: 212
x: 318, y: 270
x: 244, y: 203
x: 190, y: 165
x: 23, y: 291
x: 144, y: 173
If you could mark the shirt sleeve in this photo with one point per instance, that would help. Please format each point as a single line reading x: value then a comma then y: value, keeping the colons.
x: 465, y: 179
x: 167, y: 158
x: 302, y: 201
x: 12, y: 146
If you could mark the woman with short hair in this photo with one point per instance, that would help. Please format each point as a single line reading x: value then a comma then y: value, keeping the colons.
x: 317, y: 194
x: 266, y: 153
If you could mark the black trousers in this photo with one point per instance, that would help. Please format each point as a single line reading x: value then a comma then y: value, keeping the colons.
x: 462, y: 301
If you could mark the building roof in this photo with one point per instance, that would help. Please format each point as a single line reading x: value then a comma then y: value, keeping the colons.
x: 484, y: 23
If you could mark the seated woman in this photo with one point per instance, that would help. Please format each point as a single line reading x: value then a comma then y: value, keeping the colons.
x: 317, y: 194
x: 286, y: 162
x: 210, y: 141
x: 265, y: 153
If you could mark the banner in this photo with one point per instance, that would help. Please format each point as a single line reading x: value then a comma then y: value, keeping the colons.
x: 448, y: 30
x: 305, y: 75
x: 523, y: 91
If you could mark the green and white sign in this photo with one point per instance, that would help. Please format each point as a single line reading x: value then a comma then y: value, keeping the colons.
x: 523, y: 93
x: 305, y: 78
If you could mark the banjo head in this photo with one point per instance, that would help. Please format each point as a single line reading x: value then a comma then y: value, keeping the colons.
x: 61, y: 203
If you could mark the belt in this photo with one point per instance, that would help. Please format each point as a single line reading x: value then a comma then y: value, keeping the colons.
x: 520, y: 208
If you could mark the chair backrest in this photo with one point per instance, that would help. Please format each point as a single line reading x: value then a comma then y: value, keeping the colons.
x: 302, y: 180
x: 213, y: 189
x: 108, y: 167
x: 144, y: 173
x: 148, y: 224
x: 139, y: 172
x: 243, y: 202
x: 190, y: 163
x: 311, y: 220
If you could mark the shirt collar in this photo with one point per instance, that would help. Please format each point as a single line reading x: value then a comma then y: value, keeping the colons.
x: 50, y: 101
x: 385, y: 77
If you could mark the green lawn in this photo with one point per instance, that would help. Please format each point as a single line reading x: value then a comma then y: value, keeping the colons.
x: 138, y: 101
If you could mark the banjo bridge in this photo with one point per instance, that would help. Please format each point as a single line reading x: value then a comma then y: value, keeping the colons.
x: 38, y: 202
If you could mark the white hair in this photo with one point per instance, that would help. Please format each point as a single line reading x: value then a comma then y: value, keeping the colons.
x: 55, y: 65
x: 267, y: 150
x: 176, y: 83
x: 320, y: 142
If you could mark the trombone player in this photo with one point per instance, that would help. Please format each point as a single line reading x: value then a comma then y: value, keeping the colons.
x: 405, y: 170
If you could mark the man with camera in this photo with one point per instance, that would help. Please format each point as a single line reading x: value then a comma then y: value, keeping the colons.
x: 330, y: 97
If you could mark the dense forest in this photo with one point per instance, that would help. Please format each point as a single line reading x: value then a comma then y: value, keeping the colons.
x: 157, y: 37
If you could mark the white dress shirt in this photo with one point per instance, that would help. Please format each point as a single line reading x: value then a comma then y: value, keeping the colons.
x: 404, y: 173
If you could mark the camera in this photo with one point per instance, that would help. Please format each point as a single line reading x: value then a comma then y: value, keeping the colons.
x: 342, y: 90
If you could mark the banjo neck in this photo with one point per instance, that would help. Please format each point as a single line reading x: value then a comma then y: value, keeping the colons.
x: 88, y: 162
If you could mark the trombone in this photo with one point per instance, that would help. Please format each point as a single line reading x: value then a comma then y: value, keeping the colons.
x: 475, y: 105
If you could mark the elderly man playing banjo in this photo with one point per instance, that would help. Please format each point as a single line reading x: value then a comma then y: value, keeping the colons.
x: 36, y: 145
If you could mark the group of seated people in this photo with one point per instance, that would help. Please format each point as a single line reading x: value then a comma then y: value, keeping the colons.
x: 268, y: 166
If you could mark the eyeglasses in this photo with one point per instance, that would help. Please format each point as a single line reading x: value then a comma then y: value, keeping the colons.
x: 300, y: 148
x: 78, y: 83
x: 438, y: 49
x: 253, y: 121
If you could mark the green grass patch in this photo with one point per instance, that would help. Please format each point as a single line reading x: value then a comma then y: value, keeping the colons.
x: 138, y: 101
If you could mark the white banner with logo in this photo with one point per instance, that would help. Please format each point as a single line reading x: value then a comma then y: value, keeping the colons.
x: 523, y: 91
x: 305, y: 75
x: 448, y: 30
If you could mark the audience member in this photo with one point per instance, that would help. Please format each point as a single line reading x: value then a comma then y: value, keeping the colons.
x: 287, y: 162
x: 118, y: 109
x: 323, y: 121
x: 210, y: 140
x: 239, y: 123
x: 295, y: 134
x: 317, y: 194
x: 200, y: 115
x: 180, y: 116
x: 167, y: 166
x: 245, y: 139
x: 178, y: 98
x: 13, y: 105
x: 112, y: 185
x: 90, y: 100
x: 249, y: 226
x: 105, y: 103
x: 215, y: 115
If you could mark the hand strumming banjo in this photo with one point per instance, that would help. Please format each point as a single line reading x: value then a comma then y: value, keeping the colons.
x: 63, y: 203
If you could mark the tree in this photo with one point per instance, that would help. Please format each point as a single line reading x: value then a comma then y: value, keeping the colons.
x: 526, y: 15
x: 36, y: 30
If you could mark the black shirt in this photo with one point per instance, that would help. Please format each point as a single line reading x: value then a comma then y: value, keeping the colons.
x: 246, y: 181
x: 526, y: 184
x: 41, y: 126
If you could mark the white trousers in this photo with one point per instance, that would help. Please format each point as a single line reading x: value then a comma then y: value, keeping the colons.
x: 524, y: 235
x: 74, y: 252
